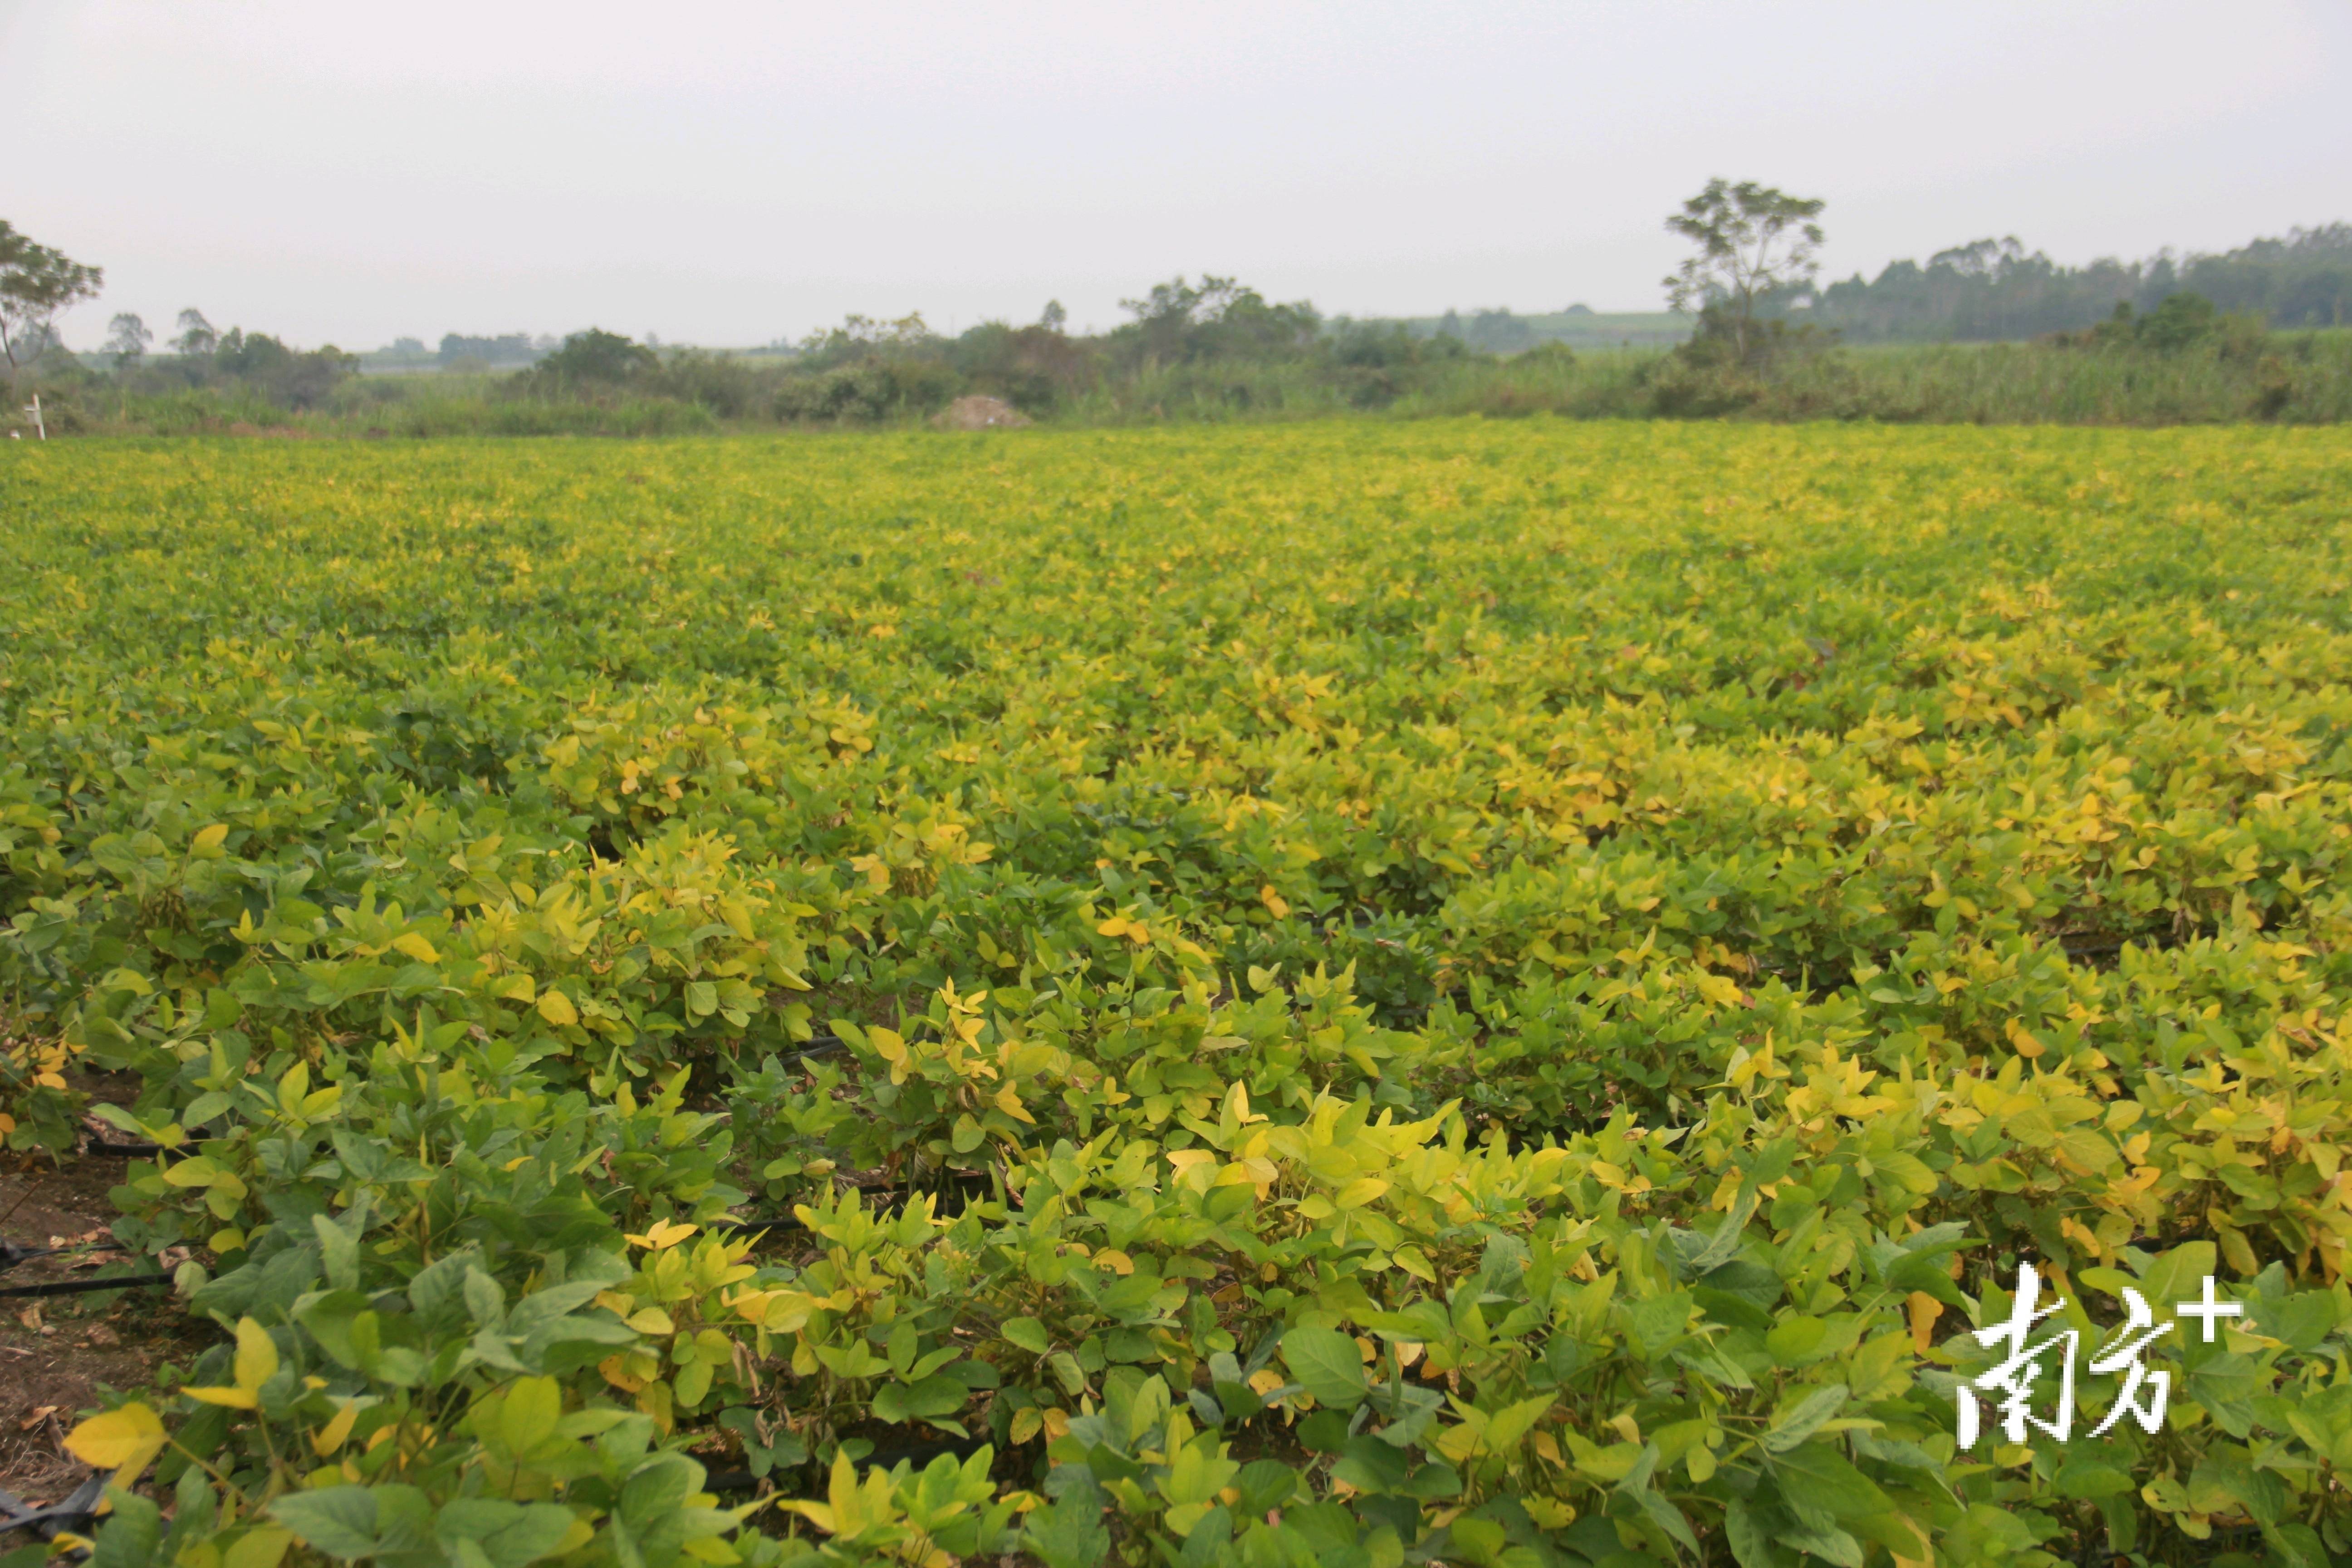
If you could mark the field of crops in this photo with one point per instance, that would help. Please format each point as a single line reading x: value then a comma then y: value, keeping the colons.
x: 1335, y: 995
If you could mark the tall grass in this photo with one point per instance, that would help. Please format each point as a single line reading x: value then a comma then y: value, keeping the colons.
x: 2306, y: 378
x: 2298, y: 378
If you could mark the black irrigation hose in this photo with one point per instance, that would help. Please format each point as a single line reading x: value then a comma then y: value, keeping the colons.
x: 76, y: 1510
x: 824, y: 1046
x: 84, y: 1287
x: 138, y: 1149
x: 726, y: 1224
x: 13, y: 1253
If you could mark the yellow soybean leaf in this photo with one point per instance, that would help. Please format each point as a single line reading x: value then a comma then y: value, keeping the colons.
x: 257, y: 1355
x: 117, y: 1439
x: 416, y: 947
x: 1513, y: 1422
x: 258, y: 1548
x: 335, y: 1433
x: 1415, y: 1262
x: 1185, y: 1159
x: 199, y: 1172
x: 232, y: 1398
x: 669, y: 1233
x: 208, y: 838
x: 557, y: 1009
x: 1719, y: 989
x: 1924, y: 1311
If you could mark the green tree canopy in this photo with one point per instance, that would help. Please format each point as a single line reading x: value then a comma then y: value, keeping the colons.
x: 36, y: 283
x: 1752, y: 239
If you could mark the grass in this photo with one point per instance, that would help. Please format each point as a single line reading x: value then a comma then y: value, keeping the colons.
x: 2290, y: 378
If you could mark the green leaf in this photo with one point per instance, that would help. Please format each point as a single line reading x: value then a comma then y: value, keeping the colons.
x: 485, y: 1302
x: 127, y: 1539
x: 486, y: 1532
x: 1369, y: 1465
x: 338, y: 1250
x: 1794, y: 1339
x: 337, y: 1521
x: 938, y: 1395
x: 532, y: 1411
x: 1028, y: 1333
x: 1750, y: 1547
x: 1831, y: 1545
x: 1804, y: 1419
x: 1821, y: 1478
x: 2305, y: 1319
x: 1070, y: 1534
x: 1660, y: 1322
x: 2090, y: 1479
x: 1325, y: 1363
x: 1513, y: 1422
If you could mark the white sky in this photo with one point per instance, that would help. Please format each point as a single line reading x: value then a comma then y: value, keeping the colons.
x: 728, y: 172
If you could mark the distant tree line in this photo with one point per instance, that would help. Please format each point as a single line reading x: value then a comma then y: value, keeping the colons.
x: 1184, y: 340
x: 1996, y: 290
x: 202, y: 356
x: 1769, y: 337
x: 507, y: 349
x: 1766, y: 339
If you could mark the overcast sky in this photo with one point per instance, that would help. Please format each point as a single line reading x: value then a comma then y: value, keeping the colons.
x: 728, y: 173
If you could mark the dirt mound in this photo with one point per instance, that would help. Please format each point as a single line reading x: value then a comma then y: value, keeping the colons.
x: 980, y: 414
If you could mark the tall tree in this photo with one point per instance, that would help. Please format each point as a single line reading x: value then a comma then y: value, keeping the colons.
x: 127, y: 338
x: 36, y: 283
x: 1751, y: 239
x: 198, y: 339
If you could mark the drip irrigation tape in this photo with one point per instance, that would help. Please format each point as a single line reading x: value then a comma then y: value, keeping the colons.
x: 83, y: 1287
x: 135, y: 1150
x: 953, y: 1198
x: 919, y: 1454
x: 736, y: 1224
x: 820, y: 1047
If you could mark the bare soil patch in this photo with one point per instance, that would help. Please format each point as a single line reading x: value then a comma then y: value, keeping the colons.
x: 980, y: 414
x: 57, y: 1353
